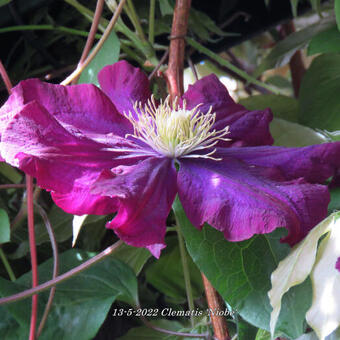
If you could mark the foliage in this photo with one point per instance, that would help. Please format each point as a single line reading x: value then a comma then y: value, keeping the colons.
x: 130, y: 279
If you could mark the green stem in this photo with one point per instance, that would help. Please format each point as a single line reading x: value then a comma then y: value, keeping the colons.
x: 226, y: 63
x: 132, y: 54
x: 186, y: 272
x: 7, y: 265
x: 152, y: 22
x: 135, y: 20
x: 46, y: 28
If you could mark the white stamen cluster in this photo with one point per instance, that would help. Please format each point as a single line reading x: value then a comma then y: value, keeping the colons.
x: 175, y: 131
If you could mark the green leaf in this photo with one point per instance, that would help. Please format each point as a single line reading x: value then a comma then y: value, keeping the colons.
x: 132, y: 256
x: 10, y: 173
x: 319, y: 104
x: 337, y: 12
x: 282, y: 106
x: 294, y: 135
x: 296, y: 267
x: 167, y: 276
x: 294, y: 4
x: 316, y: 5
x: 165, y: 7
x: 61, y: 223
x: 284, y: 49
x: 240, y: 271
x: 334, y: 204
x: 108, y: 54
x: 81, y: 303
x: 324, y: 314
x: 325, y: 42
x: 4, y: 2
x: 146, y: 333
x: 9, y: 328
x: 203, y: 26
x: 5, y: 229
x: 245, y: 331
x: 263, y: 335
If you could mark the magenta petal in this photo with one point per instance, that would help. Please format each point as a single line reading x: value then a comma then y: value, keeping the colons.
x: 314, y: 163
x: 37, y: 144
x: 235, y: 199
x: 79, y: 201
x: 80, y: 107
x: 337, y: 265
x: 246, y: 127
x: 124, y: 85
x: 145, y: 192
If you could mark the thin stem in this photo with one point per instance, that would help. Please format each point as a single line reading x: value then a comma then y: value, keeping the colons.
x: 135, y: 20
x: 33, y: 251
x: 152, y: 21
x: 7, y: 265
x: 55, y: 265
x: 166, y: 331
x: 228, y: 64
x: 5, y: 78
x: 12, y: 186
x: 93, y: 30
x: 161, y: 62
x: 46, y: 28
x: 186, y: 273
x: 87, y: 13
x: 193, y: 68
x: 99, y: 45
x: 61, y: 278
x: 91, y: 36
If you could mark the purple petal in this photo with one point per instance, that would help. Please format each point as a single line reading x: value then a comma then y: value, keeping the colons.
x: 236, y: 199
x: 64, y: 163
x: 314, y: 163
x: 246, y: 127
x: 80, y: 107
x: 145, y: 192
x: 80, y: 201
x: 124, y: 85
x: 337, y: 265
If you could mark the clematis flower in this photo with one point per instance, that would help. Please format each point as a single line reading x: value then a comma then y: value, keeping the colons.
x: 337, y: 265
x: 119, y: 150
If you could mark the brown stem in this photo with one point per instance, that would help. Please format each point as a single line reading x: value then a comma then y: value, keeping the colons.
x: 296, y: 64
x: 174, y: 76
x: 55, y: 266
x: 12, y: 186
x: 215, y: 305
x: 63, y: 277
x: 92, y: 34
x: 174, y: 73
x: 161, y: 62
x: 5, y: 78
x: 33, y: 252
x: 99, y: 45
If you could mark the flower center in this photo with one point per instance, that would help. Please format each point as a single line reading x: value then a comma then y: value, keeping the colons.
x: 175, y: 131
